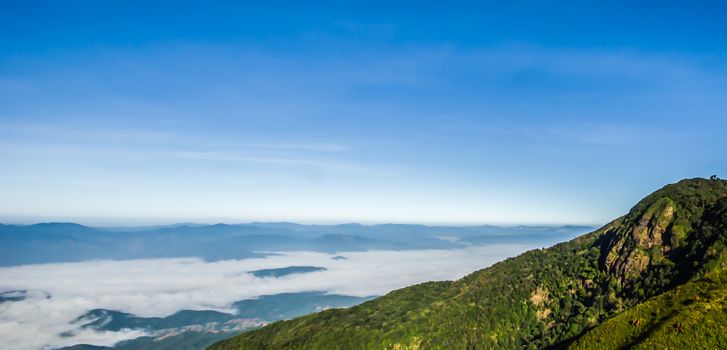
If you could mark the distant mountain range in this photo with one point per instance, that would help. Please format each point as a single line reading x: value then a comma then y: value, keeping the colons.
x: 655, y: 278
x: 196, y: 329
x: 69, y: 242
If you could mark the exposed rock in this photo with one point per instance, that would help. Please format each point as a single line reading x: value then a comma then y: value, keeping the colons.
x: 540, y: 296
x: 636, y: 244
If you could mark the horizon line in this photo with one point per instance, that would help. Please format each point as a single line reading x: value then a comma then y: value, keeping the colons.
x: 12, y: 222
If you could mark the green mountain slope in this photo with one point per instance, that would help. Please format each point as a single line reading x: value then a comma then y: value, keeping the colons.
x: 555, y: 297
x: 691, y: 316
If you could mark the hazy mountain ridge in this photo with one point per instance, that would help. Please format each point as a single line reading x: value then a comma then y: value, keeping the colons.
x: 68, y: 242
x: 676, y: 236
x: 196, y: 329
x: 285, y: 271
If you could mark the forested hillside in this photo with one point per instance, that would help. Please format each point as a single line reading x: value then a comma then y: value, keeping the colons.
x: 619, y: 282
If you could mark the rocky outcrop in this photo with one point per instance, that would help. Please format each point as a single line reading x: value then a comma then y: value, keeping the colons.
x: 658, y: 235
x: 641, y: 240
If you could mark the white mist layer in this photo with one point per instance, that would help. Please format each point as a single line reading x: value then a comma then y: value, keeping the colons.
x: 160, y: 287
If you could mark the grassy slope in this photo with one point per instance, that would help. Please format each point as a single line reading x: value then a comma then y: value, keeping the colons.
x: 692, y: 316
x: 542, y: 298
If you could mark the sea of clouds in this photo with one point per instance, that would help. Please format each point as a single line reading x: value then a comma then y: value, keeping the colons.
x: 160, y: 287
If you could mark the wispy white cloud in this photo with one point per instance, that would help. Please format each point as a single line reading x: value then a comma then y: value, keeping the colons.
x: 79, y: 132
x: 163, y: 286
x: 233, y: 157
x: 286, y: 160
x: 580, y: 133
x: 83, y: 132
x: 323, y: 147
x: 638, y: 65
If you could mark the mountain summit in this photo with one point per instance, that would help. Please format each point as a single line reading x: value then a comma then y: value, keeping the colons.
x: 654, y: 278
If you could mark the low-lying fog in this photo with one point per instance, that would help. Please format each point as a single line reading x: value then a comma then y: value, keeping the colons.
x: 56, y: 294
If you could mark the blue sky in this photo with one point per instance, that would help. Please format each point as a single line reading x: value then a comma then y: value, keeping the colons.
x: 124, y: 112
